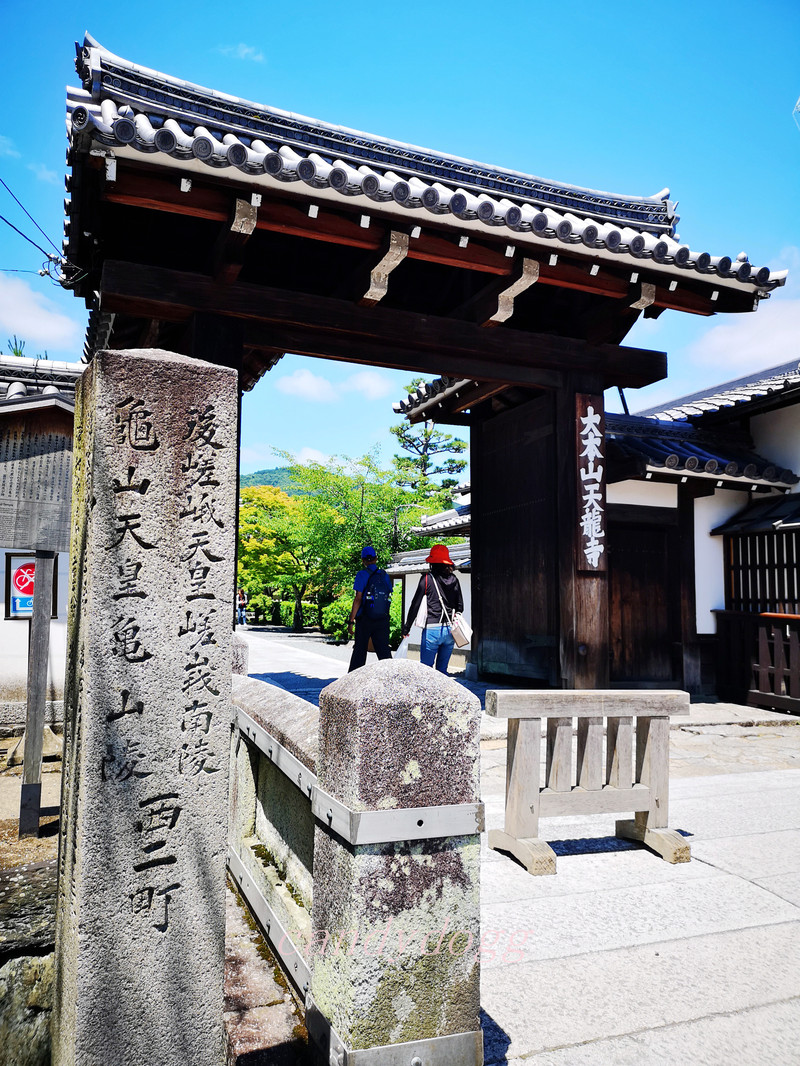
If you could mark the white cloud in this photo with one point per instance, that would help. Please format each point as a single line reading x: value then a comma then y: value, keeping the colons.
x: 43, y: 173
x: 34, y: 318
x: 371, y: 384
x: 243, y: 51
x: 311, y: 455
x: 767, y: 337
x: 7, y: 148
x: 308, y: 386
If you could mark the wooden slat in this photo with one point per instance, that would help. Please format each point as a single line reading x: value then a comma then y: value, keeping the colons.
x: 589, y: 772
x: 793, y: 689
x: 652, y: 768
x: 585, y: 703
x: 779, y: 660
x: 619, y: 752
x: 764, y: 659
x: 558, y: 776
x: 522, y: 778
x: 607, y: 800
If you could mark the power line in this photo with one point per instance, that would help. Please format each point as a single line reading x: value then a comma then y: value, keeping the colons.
x: 48, y: 255
x: 14, y: 270
x: 30, y: 216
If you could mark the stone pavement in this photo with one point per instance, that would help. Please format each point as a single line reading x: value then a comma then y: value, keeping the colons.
x: 622, y: 958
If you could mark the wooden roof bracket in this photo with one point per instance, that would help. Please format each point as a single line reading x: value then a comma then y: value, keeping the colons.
x: 645, y: 292
x: 523, y: 277
x: 229, y: 249
x: 396, y: 252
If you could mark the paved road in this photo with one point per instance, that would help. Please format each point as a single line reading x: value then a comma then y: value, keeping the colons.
x: 622, y: 958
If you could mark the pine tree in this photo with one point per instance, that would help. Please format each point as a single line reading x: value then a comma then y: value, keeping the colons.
x: 425, y: 443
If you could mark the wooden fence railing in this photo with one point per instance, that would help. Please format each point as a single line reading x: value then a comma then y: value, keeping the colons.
x: 597, y: 782
x: 776, y: 666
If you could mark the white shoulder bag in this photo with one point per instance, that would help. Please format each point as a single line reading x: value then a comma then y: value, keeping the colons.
x: 457, y: 624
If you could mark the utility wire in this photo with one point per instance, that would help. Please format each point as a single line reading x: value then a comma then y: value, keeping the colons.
x: 14, y: 270
x: 48, y: 255
x: 30, y: 216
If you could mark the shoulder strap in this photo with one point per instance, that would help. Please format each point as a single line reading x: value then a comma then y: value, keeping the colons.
x: 445, y: 615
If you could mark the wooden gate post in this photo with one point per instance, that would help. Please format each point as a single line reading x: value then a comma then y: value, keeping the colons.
x: 582, y: 532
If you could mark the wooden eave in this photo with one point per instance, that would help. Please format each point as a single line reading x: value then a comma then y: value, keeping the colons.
x: 158, y: 189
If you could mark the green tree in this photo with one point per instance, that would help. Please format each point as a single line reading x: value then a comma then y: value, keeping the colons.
x: 308, y: 546
x: 275, y: 550
x: 350, y: 503
x: 430, y: 453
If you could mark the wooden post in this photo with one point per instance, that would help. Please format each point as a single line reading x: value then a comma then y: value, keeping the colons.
x: 652, y: 769
x: 520, y: 835
x: 583, y: 638
x: 38, y: 655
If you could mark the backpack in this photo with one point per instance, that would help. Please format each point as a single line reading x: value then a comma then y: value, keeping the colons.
x: 377, y: 595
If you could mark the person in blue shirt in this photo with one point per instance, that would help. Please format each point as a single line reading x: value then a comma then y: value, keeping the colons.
x: 369, y: 615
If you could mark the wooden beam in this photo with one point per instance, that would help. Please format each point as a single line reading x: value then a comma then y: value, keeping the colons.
x: 395, y: 356
x: 154, y: 292
x: 229, y: 250
x: 395, y: 252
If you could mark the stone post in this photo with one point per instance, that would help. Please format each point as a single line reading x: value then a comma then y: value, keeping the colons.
x: 140, y: 927
x: 396, y: 926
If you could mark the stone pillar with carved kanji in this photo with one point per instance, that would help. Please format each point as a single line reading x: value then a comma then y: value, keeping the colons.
x: 140, y: 930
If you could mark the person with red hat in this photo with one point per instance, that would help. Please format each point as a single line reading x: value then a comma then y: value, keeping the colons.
x: 440, y: 590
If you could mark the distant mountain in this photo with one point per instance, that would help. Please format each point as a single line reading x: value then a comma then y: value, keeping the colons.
x: 278, y: 476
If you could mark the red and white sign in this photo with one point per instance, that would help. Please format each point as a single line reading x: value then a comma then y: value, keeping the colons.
x: 23, y: 578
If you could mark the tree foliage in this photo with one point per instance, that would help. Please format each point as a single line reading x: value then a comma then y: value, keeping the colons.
x: 310, y: 544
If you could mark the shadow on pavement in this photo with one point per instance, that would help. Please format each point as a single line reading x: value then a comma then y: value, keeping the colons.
x: 496, y: 1041
x: 307, y: 688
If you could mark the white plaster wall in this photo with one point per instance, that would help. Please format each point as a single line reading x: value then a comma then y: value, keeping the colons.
x: 643, y: 493
x: 14, y: 642
x: 709, y: 559
x: 776, y: 436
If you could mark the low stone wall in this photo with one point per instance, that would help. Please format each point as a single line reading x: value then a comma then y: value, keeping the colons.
x: 12, y: 717
x: 27, y: 928
x: 355, y: 833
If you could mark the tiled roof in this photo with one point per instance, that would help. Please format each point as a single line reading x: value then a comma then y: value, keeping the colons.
x: 450, y: 523
x: 730, y: 394
x: 23, y: 378
x: 131, y: 109
x: 413, y: 562
x: 684, y: 450
x: 430, y: 393
x: 766, y: 516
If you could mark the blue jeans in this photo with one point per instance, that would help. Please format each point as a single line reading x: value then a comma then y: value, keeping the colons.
x: 436, y: 647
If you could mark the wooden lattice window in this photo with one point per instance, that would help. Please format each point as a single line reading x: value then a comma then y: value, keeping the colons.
x: 762, y: 572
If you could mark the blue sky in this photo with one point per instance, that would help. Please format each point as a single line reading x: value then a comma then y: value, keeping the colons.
x: 621, y: 96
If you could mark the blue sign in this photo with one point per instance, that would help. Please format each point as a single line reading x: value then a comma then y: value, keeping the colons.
x: 21, y: 606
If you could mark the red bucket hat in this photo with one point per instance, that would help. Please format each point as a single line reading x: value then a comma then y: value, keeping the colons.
x: 440, y: 554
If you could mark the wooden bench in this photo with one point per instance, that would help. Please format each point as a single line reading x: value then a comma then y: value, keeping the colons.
x: 597, y: 786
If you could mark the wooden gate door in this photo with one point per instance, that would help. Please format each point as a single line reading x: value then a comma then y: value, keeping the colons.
x: 643, y: 612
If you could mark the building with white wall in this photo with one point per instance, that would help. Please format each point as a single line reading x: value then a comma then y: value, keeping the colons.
x: 36, y: 419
